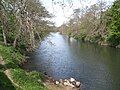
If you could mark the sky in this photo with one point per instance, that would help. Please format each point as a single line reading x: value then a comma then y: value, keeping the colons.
x: 62, y: 13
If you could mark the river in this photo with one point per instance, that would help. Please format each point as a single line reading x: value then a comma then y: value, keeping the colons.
x: 96, y: 67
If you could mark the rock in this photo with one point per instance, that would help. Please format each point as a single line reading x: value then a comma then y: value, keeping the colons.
x: 56, y: 82
x: 78, y: 84
x: 72, y: 80
x: 65, y: 83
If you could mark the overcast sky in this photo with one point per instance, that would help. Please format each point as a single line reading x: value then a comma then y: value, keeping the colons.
x: 62, y: 15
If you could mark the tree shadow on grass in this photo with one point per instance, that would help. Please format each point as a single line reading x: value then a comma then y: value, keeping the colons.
x: 2, y: 67
x: 5, y: 83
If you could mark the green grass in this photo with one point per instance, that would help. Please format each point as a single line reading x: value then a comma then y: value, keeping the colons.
x: 11, y: 57
x: 26, y: 80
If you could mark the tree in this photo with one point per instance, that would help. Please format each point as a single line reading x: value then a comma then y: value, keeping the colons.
x: 3, y: 19
x: 22, y: 20
x: 113, y: 23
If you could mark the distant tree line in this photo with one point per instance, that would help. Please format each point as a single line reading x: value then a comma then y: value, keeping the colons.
x: 99, y: 23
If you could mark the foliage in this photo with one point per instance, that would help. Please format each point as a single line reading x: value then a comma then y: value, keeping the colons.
x: 22, y: 25
x: 81, y: 36
x: 23, y: 22
x: 114, y: 38
x: 96, y: 24
x: 113, y: 23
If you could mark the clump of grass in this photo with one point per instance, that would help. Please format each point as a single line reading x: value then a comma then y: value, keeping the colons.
x: 27, y: 80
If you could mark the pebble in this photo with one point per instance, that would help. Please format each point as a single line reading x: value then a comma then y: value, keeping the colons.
x: 65, y: 83
x: 72, y: 80
x: 56, y: 82
x: 78, y: 84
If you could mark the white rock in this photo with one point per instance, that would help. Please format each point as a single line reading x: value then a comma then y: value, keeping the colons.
x: 77, y: 84
x: 56, y: 82
x: 65, y: 83
x: 72, y: 80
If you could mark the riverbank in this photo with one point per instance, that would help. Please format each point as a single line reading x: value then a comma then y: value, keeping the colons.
x: 98, y: 41
x: 18, y: 78
x: 62, y: 84
x: 13, y: 77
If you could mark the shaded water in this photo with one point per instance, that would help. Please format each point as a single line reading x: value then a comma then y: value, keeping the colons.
x: 97, y: 67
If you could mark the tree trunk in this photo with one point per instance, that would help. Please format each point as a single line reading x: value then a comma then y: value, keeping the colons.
x: 15, y: 42
x: 4, y: 31
x: 4, y: 37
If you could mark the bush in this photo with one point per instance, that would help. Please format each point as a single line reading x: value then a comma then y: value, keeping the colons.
x: 113, y: 24
x: 114, y: 39
x: 81, y: 36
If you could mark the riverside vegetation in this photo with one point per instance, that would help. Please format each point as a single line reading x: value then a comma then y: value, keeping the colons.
x: 99, y: 23
x: 22, y: 24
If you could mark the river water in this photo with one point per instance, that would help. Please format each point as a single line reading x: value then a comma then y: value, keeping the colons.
x: 96, y: 67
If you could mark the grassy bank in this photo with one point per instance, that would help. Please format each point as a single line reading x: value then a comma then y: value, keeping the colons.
x: 17, y: 78
x: 5, y: 83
